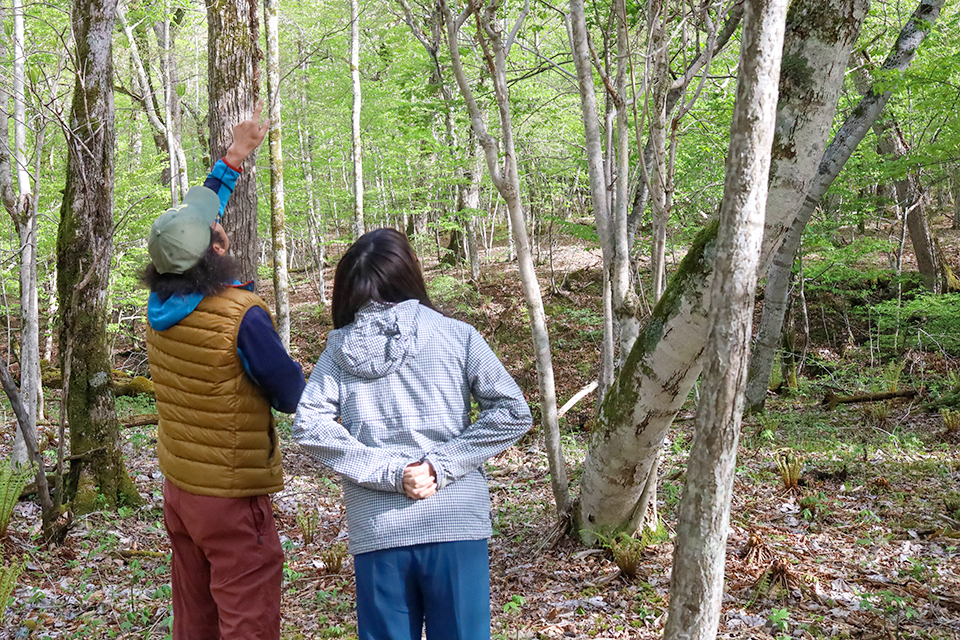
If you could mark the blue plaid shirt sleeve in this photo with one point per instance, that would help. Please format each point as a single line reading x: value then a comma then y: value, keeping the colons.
x: 504, y: 416
x: 317, y: 430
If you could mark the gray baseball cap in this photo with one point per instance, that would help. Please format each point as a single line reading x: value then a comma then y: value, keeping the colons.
x: 180, y: 237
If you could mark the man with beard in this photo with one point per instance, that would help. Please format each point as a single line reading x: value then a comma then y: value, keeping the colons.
x: 218, y: 366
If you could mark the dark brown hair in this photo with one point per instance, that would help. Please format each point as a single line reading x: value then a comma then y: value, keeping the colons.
x: 211, y: 275
x: 380, y: 266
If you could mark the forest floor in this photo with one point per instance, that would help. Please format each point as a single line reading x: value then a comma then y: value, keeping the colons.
x: 867, y: 546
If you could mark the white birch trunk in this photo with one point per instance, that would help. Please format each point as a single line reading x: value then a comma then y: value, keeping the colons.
x: 472, y: 201
x: 696, y: 582
x: 357, y: 143
x: 507, y: 182
x: 626, y: 304
x: 665, y: 362
x: 25, y: 220
x: 278, y: 221
x: 596, y: 172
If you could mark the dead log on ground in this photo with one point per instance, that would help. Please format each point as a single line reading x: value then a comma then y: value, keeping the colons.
x: 831, y: 400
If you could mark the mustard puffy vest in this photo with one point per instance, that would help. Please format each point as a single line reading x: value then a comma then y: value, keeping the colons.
x: 216, y: 435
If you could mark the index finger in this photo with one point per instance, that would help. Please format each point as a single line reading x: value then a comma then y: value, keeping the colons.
x: 258, y: 110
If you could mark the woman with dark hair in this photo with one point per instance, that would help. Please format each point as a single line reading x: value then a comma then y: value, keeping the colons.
x: 388, y: 408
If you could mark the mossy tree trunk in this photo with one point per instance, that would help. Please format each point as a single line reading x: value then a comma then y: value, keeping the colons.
x: 233, y: 86
x: 84, y: 249
x: 848, y: 137
x: 665, y: 360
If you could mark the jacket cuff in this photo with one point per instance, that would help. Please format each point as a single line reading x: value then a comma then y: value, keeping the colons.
x: 442, y: 478
x: 398, y: 477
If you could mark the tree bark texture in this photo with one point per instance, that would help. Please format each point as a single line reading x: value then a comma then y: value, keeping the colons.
x: 848, y: 137
x: 665, y: 360
x: 233, y: 86
x: 507, y: 182
x: 696, y: 582
x: 278, y: 220
x: 84, y: 248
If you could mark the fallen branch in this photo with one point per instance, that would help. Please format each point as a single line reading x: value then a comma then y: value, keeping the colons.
x: 576, y: 398
x: 831, y: 400
x: 142, y: 420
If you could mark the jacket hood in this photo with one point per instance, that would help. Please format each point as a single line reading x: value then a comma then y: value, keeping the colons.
x: 163, y: 314
x: 166, y: 313
x: 376, y: 343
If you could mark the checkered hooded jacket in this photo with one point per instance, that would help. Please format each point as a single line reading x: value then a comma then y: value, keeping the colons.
x: 394, y: 388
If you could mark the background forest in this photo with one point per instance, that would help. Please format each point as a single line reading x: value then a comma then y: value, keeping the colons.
x: 559, y: 168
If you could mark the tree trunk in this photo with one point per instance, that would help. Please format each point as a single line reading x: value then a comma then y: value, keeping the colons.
x: 49, y: 510
x: 626, y: 303
x: 717, y: 38
x: 306, y: 152
x: 84, y: 249
x: 23, y: 213
x: 596, y: 172
x: 910, y: 207
x: 234, y: 88
x: 357, y: 143
x: 507, y: 182
x: 848, y: 137
x: 177, y: 158
x: 658, y: 78
x: 955, y: 184
x: 472, y: 203
x: 699, y: 557
x: 166, y: 35
x: 277, y: 215
x: 665, y: 361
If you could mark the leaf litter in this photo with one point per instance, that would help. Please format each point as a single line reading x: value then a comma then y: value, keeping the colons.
x: 872, y: 556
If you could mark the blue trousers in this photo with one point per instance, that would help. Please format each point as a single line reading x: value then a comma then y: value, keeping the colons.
x: 445, y: 585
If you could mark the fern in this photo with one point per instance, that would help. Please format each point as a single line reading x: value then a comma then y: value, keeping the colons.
x: 790, y: 467
x: 8, y: 579
x: 333, y: 557
x: 13, y: 479
x: 627, y: 552
x: 307, y: 520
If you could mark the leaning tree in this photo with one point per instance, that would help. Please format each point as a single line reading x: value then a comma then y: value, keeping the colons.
x: 665, y: 360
